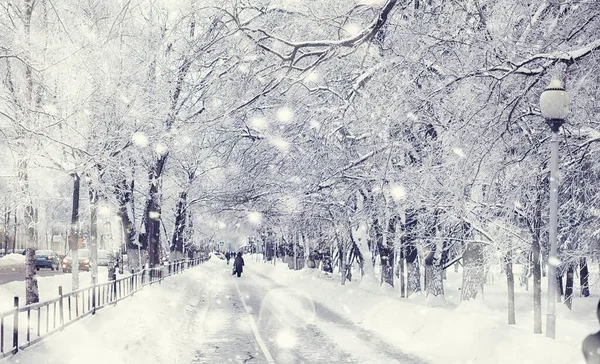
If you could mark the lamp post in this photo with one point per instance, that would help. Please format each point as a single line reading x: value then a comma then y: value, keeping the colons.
x: 554, y: 105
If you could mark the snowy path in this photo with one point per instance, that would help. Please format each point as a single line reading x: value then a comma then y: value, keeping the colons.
x: 255, y: 320
x: 207, y: 316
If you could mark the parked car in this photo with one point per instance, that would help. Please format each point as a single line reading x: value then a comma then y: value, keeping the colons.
x: 102, y: 258
x: 84, y: 260
x: 46, y: 259
x: 218, y: 255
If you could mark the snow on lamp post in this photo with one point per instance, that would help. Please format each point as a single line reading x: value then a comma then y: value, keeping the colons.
x: 554, y: 105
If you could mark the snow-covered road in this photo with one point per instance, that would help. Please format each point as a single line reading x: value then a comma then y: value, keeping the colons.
x: 275, y: 315
x: 255, y: 320
x: 207, y: 316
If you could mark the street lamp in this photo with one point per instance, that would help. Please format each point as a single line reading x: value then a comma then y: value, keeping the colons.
x: 554, y: 105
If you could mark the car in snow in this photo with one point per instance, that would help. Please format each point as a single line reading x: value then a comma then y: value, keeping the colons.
x: 218, y: 255
x: 102, y: 258
x: 46, y: 259
x: 83, y: 257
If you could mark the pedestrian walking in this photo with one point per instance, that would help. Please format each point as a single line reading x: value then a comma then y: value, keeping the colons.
x: 227, y: 256
x: 238, y: 264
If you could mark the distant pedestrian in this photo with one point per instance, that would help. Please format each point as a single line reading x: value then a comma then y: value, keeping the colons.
x: 238, y: 264
x: 227, y: 256
x: 591, y: 344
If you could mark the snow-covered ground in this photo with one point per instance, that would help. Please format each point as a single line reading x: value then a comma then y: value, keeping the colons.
x: 449, y: 332
x: 273, y: 314
x: 12, y: 262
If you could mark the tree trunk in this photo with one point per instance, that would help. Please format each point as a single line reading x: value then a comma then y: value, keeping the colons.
x: 445, y: 259
x: 386, y: 254
x: 560, y: 291
x: 412, y: 265
x: 434, y: 283
x: 473, y: 271
x: 150, y: 237
x: 583, y: 278
x: 93, y: 233
x: 14, y: 242
x: 569, y: 287
x: 180, y: 226
x: 295, y: 243
x: 75, y: 234
x: 6, y: 227
x: 31, y: 287
x: 124, y: 194
x: 526, y: 272
x: 414, y: 274
x: 342, y: 263
x: 401, y: 274
x: 510, y: 280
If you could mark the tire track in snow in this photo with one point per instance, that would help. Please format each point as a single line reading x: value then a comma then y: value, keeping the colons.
x: 228, y: 337
x: 257, y: 335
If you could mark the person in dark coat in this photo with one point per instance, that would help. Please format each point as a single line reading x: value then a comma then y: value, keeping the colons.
x: 238, y: 264
x: 227, y: 256
x: 591, y: 345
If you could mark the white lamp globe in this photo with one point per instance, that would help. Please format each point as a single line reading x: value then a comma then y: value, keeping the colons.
x: 554, y: 101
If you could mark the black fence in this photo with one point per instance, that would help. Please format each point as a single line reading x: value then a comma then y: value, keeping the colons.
x: 32, y: 323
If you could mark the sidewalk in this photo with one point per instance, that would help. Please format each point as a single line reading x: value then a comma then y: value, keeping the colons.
x: 158, y: 324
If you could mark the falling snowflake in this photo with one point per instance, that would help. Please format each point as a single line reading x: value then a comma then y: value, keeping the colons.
x: 255, y: 217
x: 161, y: 149
x: 280, y: 144
x: 398, y: 193
x: 312, y: 77
x: 50, y: 109
x: 285, y: 114
x: 459, y: 152
x: 352, y: 29
x: 554, y: 261
x: 259, y: 123
x: 154, y: 215
x: 286, y: 339
x: 139, y: 139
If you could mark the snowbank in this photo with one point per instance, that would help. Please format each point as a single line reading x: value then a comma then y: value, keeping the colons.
x: 12, y: 260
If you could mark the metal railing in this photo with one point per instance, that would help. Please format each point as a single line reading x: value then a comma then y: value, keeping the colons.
x: 32, y: 323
